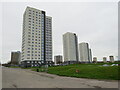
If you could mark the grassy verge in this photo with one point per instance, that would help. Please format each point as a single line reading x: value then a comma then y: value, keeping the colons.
x: 14, y: 67
x: 94, y: 71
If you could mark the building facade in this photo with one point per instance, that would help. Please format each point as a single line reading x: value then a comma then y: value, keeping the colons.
x: 70, y: 47
x: 36, y: 38
x: 104, y: 59
x: 85, y: 52
x: 15, y: 57
x: 48, y: 39
x: 111, y: 58
x: 94, y: 59
x: 90, y: 55
x: 58, y: 59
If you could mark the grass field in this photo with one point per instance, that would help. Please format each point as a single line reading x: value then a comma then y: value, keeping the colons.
x: 94, y: 71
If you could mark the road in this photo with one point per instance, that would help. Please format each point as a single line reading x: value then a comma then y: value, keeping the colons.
x: 24, y: 78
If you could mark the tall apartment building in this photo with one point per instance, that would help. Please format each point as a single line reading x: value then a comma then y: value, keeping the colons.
x: 36, y: 38
x: 15, y: 57
x: 70, y: 47
x: 85, y: 52
x: 90, y: 55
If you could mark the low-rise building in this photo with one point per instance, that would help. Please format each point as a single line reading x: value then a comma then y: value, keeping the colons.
x: 111, y: 58
x: 94, y: 59
x: 58, y: 59
x: 104, y: 59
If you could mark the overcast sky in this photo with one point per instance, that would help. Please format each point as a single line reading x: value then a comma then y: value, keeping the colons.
x: 94, y: 22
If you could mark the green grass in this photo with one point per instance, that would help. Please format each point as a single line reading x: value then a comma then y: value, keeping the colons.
x: 94, y: 71
x: 14, y: 67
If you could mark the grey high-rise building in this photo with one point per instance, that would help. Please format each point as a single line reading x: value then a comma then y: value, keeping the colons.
x: 70, y: 47
x: 90, y: 55
x: 15, y: 57
x: 36, y: 38
x: 85, y: 52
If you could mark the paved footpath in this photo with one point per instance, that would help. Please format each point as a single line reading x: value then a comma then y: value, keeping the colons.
x: 24, y: 78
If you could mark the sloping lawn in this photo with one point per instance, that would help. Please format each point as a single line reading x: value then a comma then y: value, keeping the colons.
x: 94, y: 71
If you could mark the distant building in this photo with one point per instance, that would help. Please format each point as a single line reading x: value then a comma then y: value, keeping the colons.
x: 94, y: 59
x: 85, y: 52
x: 90, y: 55
x: 15, y: 57
x: 58, y: 59
x: 104, y: 59
x: 70, y: 47
x: 111, y: 58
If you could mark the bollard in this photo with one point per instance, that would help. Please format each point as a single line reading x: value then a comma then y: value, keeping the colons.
x: 37, y: 70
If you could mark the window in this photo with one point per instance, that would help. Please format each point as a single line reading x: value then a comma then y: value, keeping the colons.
x: 28, y: 35
x: 28, y: 51
x: 28, y: 58
x: 28, y: 54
